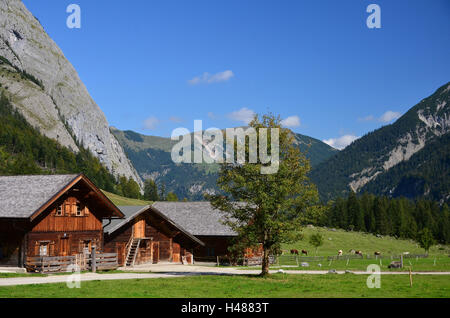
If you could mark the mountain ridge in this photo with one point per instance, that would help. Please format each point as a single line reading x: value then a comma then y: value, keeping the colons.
x: 152, y: 159
x: 376, y: 153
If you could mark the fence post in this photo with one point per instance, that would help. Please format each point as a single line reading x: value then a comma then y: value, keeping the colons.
x: 93, y: 260
x: 401, y: 261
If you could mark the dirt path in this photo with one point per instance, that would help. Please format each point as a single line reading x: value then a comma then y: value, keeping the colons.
x: 173, y: 271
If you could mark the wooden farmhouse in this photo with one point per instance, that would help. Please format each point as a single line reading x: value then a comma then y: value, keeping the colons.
x: 204, y: 222
x: 56, y: 220
x: 148, y: 236
x: 51, y: 215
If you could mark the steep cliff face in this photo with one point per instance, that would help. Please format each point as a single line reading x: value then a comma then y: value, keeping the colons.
x: 46, y: 89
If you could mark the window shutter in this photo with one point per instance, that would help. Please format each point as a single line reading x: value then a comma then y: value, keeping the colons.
x: 73, y: 208
x: 51, y: 249
x: 36, y: 249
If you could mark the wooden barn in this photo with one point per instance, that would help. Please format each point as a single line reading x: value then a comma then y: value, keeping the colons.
x: 147, y: 236
x: 204, y: 222
x: 50, y: 216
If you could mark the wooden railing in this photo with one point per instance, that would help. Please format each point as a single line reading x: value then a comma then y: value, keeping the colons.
x: 55, y: 264
x: 46, y: 264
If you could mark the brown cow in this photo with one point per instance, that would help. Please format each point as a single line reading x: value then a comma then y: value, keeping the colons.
x: 358, y: 253
x: 304, y: 252
x: 377, y: 253
x: 294, y: 252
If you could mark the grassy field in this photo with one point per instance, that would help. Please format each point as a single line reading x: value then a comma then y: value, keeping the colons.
x: 431, y: 264
x: 335, y: 240
x: 367, y: 243
x: 119, y: 200
x: 279, y: 285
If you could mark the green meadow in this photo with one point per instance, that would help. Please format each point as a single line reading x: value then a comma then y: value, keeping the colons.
x: 277, y: 285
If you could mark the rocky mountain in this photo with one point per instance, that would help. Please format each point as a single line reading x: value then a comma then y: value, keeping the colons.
x: 45, y: 88
x: 151, y: 157
x: 407, y: 158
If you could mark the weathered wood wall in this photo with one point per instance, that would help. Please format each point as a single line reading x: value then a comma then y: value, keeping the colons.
x: 68, y: 222
x: 160, y: 243
x: 12, y: 241
x: 66, y: 234
x: 214, y: 246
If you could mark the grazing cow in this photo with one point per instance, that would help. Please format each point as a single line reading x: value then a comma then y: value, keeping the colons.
x: 294, y: 252
x: 395, y: 265
x: 304, y: 252
x: 377, y: 253
x: 358, y: 253
x: 340, y: 253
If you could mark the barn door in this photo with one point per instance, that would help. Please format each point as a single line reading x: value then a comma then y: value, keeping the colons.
x: 139, y: 229
x: 64, y: 247
x: 176, y: 253
x: 155, y: 252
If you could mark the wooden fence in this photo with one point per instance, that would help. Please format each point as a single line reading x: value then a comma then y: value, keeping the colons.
x: 55, y: 264
x: 296, y: 260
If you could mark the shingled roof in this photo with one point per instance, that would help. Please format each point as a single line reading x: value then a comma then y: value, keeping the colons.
x: 24, y: 197
x: 21, y: 196
x: 198, y: 218
x: 130, y: 212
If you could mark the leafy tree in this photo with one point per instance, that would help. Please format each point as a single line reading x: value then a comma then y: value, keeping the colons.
x: 129, y: 188
x: 425, y: 239
x: 367, y: 207
x: 381, y: 217
x: 355, y: 213
x: 162, y: 192
x: 150, y: 190
x: 444, y: 225
x: 267, y: 208
x: 316, y: 240
x: 172, y: 197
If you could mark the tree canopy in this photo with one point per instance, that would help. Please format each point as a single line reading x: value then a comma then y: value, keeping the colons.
x: 267, y: 208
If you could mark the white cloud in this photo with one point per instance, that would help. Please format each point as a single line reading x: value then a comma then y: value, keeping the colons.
x: 341, y: 142
x: 291, y: 121
x: 212, y: 78
x: 389, y: 116
x: 244, y: 115
x: 176, y: 119
x: 367, y: 118
x: 385, y: 118
x: 151, y: 123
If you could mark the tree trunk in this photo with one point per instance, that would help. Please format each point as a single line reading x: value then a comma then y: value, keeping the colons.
x: 265, y: 263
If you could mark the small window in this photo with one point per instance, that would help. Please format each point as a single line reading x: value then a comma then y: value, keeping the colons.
x: 59, y: 210
x: 43, y: 249
x: 79, y: 211
x: 86, y: 247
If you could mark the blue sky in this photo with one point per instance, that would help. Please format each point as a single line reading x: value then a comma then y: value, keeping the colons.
x: 153, y: 66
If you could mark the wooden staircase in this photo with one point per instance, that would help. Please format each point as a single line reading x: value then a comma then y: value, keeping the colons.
x: 132, y: 252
